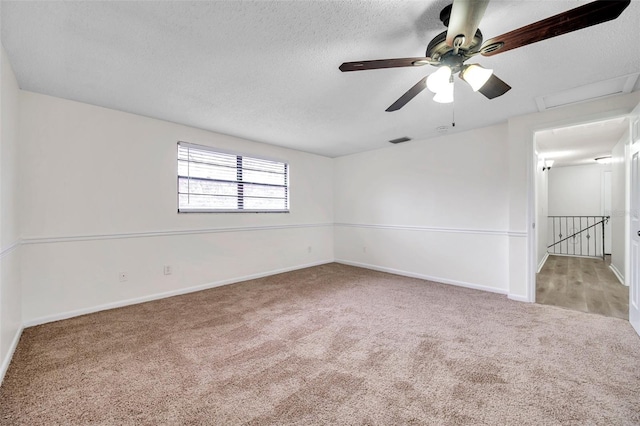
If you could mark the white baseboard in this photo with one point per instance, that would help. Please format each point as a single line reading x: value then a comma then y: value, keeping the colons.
x: 135, y: 301
x: 576, y: 255
x: 7, y: 359
x: 542, y: 262
x: 519, y: 298
x: 423, y: 277
x: 617, y: 273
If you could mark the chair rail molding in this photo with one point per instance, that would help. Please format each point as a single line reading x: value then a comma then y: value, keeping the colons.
x: 11, y: 247
x: 431, y: 229
x: 168, y: 233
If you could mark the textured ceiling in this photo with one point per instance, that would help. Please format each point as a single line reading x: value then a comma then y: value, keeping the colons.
x: 581, y: 144
x: 268, y: 70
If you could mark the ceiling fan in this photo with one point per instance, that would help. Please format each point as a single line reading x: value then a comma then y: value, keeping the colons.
x: 449, y: 50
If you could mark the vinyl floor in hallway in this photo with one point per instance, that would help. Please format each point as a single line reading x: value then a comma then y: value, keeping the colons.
x: 582, y: 284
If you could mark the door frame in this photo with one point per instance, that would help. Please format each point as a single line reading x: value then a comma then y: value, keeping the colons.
x: 532, y: 241
x: 631, y: 150
x: 603, y: 205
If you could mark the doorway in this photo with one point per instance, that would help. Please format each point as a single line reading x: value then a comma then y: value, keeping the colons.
x: 580, y: 188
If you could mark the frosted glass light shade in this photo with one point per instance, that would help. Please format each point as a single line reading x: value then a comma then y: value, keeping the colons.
x: 476, y: 76
x: 445, y: 95
x: 439, y: 80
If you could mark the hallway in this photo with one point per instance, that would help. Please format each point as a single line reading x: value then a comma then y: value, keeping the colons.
x: 582, y: 284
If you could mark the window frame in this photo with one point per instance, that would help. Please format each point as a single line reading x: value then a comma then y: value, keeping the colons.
x: 240, y: 196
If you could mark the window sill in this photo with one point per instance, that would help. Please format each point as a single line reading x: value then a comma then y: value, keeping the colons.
x: 231, y: 211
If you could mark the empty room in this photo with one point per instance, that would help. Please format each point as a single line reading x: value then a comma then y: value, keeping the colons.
x: 318, y: 212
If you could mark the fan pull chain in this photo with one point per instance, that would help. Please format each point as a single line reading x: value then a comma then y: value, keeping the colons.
x: 453, y: 115
x: 453, y: 105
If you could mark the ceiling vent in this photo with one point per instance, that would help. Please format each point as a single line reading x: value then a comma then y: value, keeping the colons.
x: 601, y: 89
x: 400, y: 140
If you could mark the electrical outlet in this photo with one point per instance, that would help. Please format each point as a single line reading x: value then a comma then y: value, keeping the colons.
x: 168, y: 270
x: 123, y: 276
x: 364, y: 249
x: 309, y: 249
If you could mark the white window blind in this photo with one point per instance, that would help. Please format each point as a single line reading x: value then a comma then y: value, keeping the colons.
x: 213, y: 181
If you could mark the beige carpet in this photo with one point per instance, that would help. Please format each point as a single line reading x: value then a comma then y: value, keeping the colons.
x: 327, y: 345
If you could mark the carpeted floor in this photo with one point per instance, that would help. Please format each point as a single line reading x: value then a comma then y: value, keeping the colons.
x: 327, y: 345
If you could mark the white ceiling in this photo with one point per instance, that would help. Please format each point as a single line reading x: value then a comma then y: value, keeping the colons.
x: 268, y: 70
x: 580, y: 144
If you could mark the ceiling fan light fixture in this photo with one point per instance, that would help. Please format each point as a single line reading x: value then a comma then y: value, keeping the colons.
x: 439, y: 80
x: 476, y: 76
x: 463, y: 39
x: 445, y: 95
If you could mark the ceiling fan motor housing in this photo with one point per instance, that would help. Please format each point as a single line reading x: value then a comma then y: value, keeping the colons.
x: 440, y: 51
x: 445, y: 15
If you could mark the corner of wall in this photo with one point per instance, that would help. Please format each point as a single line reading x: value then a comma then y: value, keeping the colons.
x: 10, y: 278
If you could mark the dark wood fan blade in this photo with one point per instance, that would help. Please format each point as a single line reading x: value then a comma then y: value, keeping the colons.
x: 593, y: 13
x: 410, y: 94
x: 384, y: 63
x: 464, y: 20
x: 494, y: 87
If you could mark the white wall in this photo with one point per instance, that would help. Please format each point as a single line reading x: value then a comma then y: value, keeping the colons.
x: 618, y: 206
x: 576, y: 190
x: 542, y: 211
x: 435, y: 209
x: 385, y: 209
x: 98, y: 197
x: 10, y: 292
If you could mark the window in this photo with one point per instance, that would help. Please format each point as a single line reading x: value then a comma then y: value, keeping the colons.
x: 214, y: 181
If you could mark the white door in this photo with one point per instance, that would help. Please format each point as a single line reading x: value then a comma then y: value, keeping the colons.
x: 634, y: 258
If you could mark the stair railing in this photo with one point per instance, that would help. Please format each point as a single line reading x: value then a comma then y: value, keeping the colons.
x: 579, y: 235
